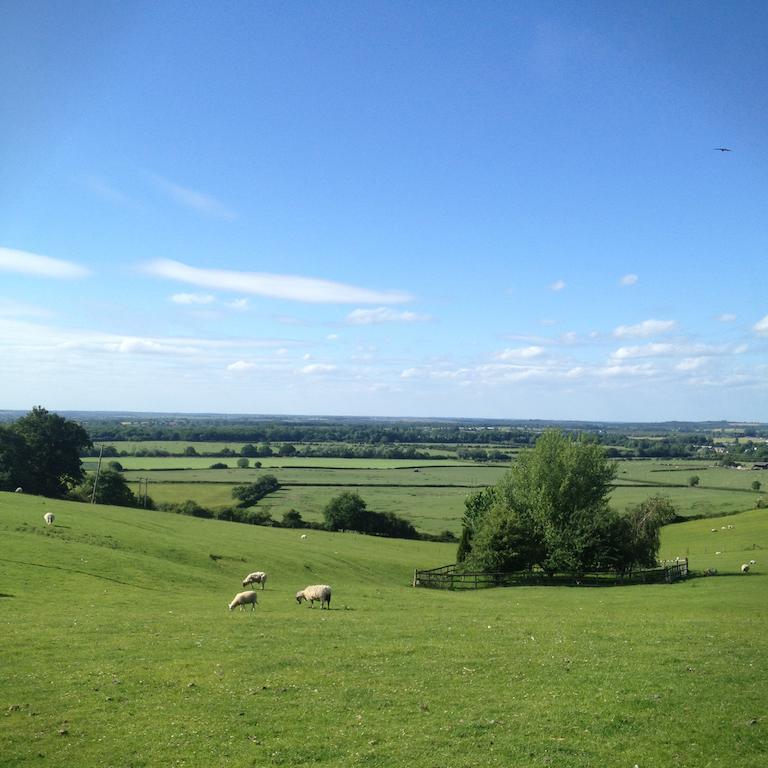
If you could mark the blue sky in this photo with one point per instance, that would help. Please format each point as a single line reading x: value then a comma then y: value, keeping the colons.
x: 485, y: 209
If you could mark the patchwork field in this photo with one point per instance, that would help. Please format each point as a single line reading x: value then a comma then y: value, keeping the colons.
x: 430, y: 494
x: 119, y: 650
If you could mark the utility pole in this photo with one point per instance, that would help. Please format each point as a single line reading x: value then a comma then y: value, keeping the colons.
x: 96, y: 479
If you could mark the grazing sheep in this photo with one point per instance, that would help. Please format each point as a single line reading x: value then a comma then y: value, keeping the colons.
x: 321, y: 592
x: 243, y: 598
x: 49, y: 518
x: 303, y: 536
x: 257, y: 577
x: 753, y: 562
x: 19, y: 490
x: 745, y: 568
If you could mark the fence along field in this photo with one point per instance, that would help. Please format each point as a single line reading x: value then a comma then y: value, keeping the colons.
x: 119, y: 649
x: 429, y: 493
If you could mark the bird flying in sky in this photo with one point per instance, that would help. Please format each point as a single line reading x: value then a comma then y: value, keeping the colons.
x: 723, y: 149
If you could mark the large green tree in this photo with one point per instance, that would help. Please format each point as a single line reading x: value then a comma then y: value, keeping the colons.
x: 551, y: 509
x: 54, y: 445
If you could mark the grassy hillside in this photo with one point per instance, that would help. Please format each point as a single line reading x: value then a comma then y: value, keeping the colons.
x: 119, y: 650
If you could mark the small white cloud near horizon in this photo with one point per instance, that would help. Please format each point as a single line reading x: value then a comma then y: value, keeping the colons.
x: 383, y: 315
x: 275, y: 286
x: 558, y: 285
x: 521, y: 353
x: 726, y: 317
x: 240, y: 305
x: 196, y: 201
x: 192, y: 298
x: 645, y: 329
x: 26, y: 263
x: 630, y: 279
x: 318, y: 368
x: 240, y: 366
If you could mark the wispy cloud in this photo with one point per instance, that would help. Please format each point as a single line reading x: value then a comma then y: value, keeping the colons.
x: 383, y: 315
x: 293, y: 288
x: 26, y: 263
x: 105, y: 190
x: 761, y: 326
x: 192, y: 298
x: 12, y: 308
x: 691, y: 363
x: 678, y: 350
x: 726, y: 317
x: 240, y: 305
x: 521, y: 353
x: 194, y: 200
x: 318, y: 368
x: 241, y: 365
x: 645, y: 329
x: 558, y: 285
x: 629, y: 279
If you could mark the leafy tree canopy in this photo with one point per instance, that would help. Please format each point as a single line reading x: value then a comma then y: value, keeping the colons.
x: 551, y: 510
x: 53, y: 444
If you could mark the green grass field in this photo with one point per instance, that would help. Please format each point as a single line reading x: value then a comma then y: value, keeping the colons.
x: 430, y: 494
x: 119, y: 651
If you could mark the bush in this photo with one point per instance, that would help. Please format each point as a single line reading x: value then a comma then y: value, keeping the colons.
x: 693, y: 481
x: 243, y: 463
x: 218, y: 465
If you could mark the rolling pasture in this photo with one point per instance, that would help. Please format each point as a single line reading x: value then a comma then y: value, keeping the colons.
x: 430, y: 494
x: 119, y: 650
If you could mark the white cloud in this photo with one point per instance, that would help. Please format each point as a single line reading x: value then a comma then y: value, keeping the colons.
x: 196, y: 201
x: 332, y: 337
x: 241, y: 305
x: 691, y: 363
x: 241, y: 365
x: 761, y: 326
x: 293, y: 288
x: 133, y: 345
x: 27, y: 263
x: 521, y: 353
x: 629, y: 279
x: 645, y: 350
x: 558, y: 285
x: 318, y: 368
x: 383, y: 315
x: 646, y: 328
x: 192, y: 298
x: 410, y: 373
x: 726, y: 317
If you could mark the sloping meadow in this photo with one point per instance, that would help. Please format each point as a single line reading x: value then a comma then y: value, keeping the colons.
x: 118, y: 649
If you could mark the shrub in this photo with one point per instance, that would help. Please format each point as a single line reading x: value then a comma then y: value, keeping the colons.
x: 219, y: 465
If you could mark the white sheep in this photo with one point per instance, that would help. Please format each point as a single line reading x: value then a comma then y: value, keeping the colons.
x: 753, y: 562
x: 321, y: 592
x: 745, y: 568
x: 49, y: 518
x: 244, y: 598
x: 19, y: 490
x: 257, y: 577
x: 303, y: 536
